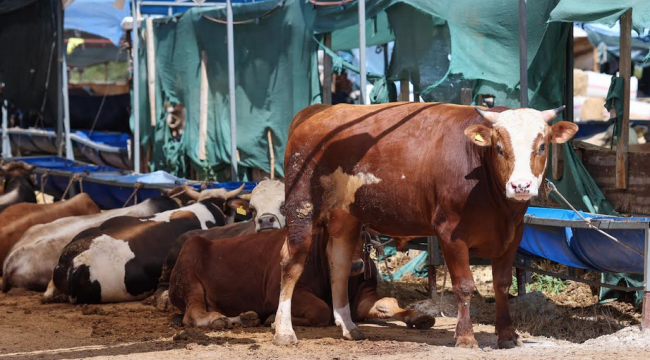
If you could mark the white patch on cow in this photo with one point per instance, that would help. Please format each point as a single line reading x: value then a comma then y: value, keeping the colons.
x: 403, y: 176
x: 200, y: 211
x: 283, y: 318
x: 523, y: 126
x: 106, y: 259
x: 343, y: 318
x: 9, y: 198
x: 340, y: 188
x: 266, y: 199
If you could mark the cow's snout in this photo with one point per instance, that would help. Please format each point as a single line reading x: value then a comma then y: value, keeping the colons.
x: 521, y: 189
x: 268, y: 222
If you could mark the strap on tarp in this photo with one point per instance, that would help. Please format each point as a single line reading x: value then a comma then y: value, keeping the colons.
x: 614, y: 100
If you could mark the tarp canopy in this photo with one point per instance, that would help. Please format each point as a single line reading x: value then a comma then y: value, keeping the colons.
x: 97, y: 17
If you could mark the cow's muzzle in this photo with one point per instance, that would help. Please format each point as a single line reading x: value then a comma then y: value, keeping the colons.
x: 268, y: 222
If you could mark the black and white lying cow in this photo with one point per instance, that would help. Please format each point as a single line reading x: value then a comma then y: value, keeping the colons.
x: 16, y: 183
x: 31, y: 261
x: 266, y: 202
x: 121, y: 260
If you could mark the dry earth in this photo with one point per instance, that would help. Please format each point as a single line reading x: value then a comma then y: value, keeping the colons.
x: 552, y: 328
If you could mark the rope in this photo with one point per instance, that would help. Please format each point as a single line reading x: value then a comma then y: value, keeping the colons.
x: 137, y: 186
x: 552, y: 188
x: 254, y: 20
x: 74, y: 178
x: 44, y: 178
x: 442, y: 291
x: 369, y: 244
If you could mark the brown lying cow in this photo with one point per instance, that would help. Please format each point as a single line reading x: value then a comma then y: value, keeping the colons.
x: 460, y: 173
x: 266, y: 203
x: 214, y: 282
x: 16, y: 219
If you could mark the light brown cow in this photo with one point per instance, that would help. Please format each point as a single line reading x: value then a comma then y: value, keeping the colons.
x: 17, y: 218
x: 462, y: 174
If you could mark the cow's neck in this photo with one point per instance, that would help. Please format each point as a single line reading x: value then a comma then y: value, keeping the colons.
x: 496, y: 190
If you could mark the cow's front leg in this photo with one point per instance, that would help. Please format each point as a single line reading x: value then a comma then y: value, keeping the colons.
x: 340, y: 251
x: 502, y: 279
x: 457, y: 259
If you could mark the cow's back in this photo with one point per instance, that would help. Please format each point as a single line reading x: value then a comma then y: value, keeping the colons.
x: 18, y: 218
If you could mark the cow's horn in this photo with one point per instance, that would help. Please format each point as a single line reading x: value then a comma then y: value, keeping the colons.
x: 487, y: 115
x: 193, y: 194
x: 231, y: 194
x: 246, y: 197
x: 549, y: 115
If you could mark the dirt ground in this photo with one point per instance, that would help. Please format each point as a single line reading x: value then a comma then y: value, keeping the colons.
x: 569, y: 325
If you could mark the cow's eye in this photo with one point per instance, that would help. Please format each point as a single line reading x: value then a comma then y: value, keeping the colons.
x: 499, y: 149
x: 282, y: 209
x: 542, y: 149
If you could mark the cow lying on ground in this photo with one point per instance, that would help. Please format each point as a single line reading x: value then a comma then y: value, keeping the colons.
x: 121, y: 259
x: 32, y: 259
x: 17, y: 218
x: 16, y: 183
x: 267, y: 207
x: 214, y: 282
x: 463, y: 174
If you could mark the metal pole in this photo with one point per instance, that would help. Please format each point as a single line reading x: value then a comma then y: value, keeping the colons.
x: 69, y: 154
x: 327, y: 71
x: 231, y: 88
x: 362, y: 50
x: 6, y: 146
x: 136, y: 89
x: 645, y: 315
x: 523, y: 55
x: 59, y: 79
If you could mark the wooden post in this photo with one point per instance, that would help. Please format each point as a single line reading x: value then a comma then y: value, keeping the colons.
x: 269, y: 135
x: 466, y: 96
x: 106, y: 71
x: 432, y: 247
x: 203, y: 107
x: 404, y: 90
x: 557, y: 165
x: 327, y: 71
x: 596, y: 65
x: 625, y: 65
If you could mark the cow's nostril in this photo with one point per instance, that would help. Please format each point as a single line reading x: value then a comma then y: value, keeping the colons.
x: 272, y: 220
x: 260, y: 221
x: 527, y: 186
x: 514, y: 186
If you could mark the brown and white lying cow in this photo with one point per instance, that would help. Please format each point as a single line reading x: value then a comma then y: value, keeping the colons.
x: 214, y: 282
x: 16, y: 184
x: 266, y: 203
x: 463, y: 174
x: 121, y: 259
x: 16, y: 219
x: 34, y: 256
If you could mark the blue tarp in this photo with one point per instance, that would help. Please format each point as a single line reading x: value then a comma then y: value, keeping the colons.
x: 115, y: 194
x: 97, y: 17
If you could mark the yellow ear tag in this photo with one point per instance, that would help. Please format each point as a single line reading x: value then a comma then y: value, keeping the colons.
x: 478, y: 138
x: 241, y: 210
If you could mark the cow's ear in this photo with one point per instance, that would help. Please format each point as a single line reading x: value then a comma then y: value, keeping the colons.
x: 562, y: 131
x: 479, y: 135
x: 239, y: 208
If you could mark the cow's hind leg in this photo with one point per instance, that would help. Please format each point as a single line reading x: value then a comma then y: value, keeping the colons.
x: 307, y: 310
x: 502, y: 277
x: 196, y: 313
x: 457, y: 259
x: 340, y: 251
x: 300, y: 224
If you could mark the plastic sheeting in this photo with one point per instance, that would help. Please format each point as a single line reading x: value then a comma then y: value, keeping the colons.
x: 97, y: 17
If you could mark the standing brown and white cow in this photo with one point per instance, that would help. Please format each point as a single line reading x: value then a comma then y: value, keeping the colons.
x: 460, y: 173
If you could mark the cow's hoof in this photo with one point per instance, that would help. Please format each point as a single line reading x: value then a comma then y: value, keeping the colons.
x: 467, y: 342
x: 270, y: 321
x: 354, y: 334
x: 162, y: 301
x: 510, y: 344
x: 285, y: 339
x: 221, y: 323
x: 421, y: 322
x: 249, y: 319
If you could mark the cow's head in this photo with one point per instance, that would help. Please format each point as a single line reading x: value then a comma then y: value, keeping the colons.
x: 15, y: 169
x: 519, y: 140
x: 267, y: 205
